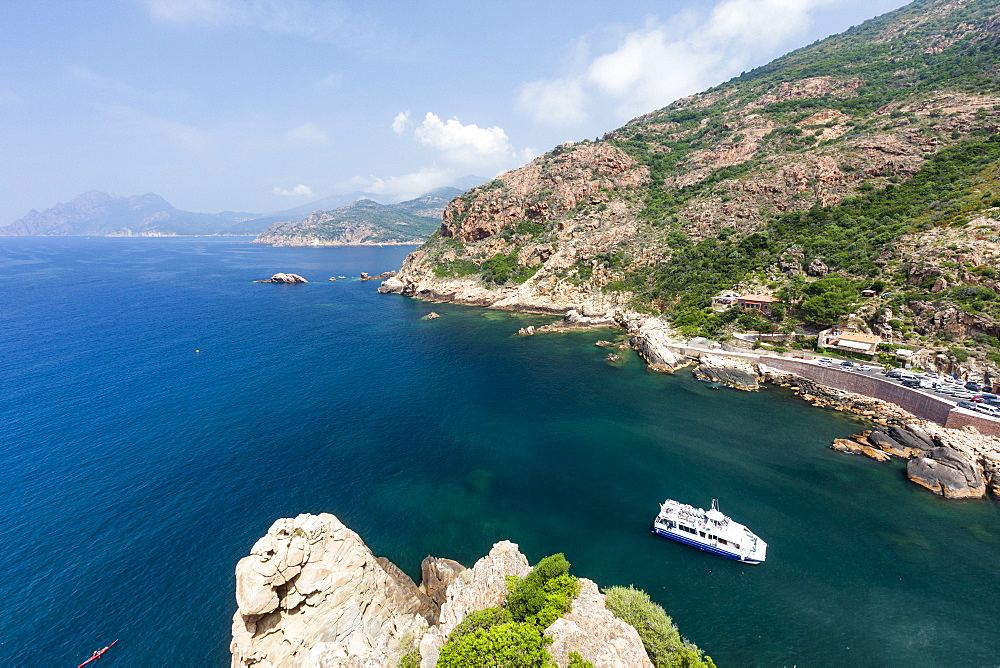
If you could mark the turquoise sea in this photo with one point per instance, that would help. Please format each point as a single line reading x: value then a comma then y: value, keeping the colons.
x: 136, y: 471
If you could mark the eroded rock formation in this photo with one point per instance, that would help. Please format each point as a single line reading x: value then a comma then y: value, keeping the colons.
x: 284, y: 278
x: 312, y: 595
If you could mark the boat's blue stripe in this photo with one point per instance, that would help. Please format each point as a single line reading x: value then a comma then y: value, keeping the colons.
x: 702, y: 546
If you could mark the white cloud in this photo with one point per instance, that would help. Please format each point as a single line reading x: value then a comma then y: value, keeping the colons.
x: 462, y: 143
x: 558, y: 101
x: 662, y: 61
x: 410, y: 185
x: 309, y: 133
x: 298, y: 191
x: 186, y: 138
x: 401, y: 123
x: 316, y: 20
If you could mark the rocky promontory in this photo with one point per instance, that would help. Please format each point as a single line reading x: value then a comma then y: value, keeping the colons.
x: 311, y: 594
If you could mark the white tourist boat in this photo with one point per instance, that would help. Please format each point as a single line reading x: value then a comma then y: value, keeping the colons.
x: 709, y: 530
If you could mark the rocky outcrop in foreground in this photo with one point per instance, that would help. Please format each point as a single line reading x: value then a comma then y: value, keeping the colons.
x: 311, y: 594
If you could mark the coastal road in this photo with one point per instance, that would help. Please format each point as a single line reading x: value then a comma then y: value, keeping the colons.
x: 875, y: 371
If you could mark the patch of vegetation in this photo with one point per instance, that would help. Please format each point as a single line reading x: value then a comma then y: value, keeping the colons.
x: 545, y: 594
x: 660, y: 636
x: 511, y: 644
x: 512, y: 635
x: 503, y: 269
x: 455, y: 269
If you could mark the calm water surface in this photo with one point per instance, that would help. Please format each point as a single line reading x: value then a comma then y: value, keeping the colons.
x: 137, y: 472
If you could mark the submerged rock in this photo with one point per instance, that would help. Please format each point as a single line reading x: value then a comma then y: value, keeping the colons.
x: 856, y: 448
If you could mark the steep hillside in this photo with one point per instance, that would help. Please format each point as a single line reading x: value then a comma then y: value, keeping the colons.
x: 101, y: 214
x: 364, y: 222
x: 868, y: 160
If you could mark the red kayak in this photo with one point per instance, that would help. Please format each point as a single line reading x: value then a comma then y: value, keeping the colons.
x: 97, y: 655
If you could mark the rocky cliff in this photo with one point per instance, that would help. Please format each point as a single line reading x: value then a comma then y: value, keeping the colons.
x: 869, y: 157
x: 311, y: 594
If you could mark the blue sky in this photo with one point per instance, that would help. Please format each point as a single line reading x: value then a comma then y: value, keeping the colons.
x: 261, y: 105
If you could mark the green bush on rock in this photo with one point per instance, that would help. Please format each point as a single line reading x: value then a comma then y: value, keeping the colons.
x: 513, y: 644
x: 544, y: 594
x: 660, y: 636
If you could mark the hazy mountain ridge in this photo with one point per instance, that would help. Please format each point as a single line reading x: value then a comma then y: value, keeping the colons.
x: 365, y: 222
x: 99, y: 213
x: 800, y: 170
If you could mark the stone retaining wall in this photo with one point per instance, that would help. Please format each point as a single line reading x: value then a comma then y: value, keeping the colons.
x: 959, y: 418
x: 922, y: 405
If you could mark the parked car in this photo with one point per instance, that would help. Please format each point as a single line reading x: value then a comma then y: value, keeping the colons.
x: 978, y: 399
x: 825, y: 360
x: 966, y: 404
x: 911, y: 382
x: 895, y: 373
x: 975, y: 387
x: 930, y: 374
x: 962, y: 395
x: 992, y: 411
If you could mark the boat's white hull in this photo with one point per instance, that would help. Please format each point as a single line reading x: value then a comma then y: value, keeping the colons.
x: 687, y: 539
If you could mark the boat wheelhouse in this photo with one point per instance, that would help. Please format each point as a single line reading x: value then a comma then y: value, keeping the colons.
x: 709, y: 530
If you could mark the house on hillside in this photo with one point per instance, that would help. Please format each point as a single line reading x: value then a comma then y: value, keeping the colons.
x: 725, y: 298
x: 851, y: 341
x: 760, y: 303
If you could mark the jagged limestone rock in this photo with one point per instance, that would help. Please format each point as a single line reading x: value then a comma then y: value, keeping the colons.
x: 652, y: 338
x: 592, y: 630
x: 311, y: 592
x: 738, y: 373
x: 312, y: 595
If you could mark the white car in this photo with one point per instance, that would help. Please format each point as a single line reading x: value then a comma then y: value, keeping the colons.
x: 992, y: 411
x: 962, y: 395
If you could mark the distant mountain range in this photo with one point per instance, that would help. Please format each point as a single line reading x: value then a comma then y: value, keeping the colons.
x: 365, y: 222
x: 96, y: 213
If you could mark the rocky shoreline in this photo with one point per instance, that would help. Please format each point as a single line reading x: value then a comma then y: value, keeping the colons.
x: 312, y: 594
x: 953, y: 463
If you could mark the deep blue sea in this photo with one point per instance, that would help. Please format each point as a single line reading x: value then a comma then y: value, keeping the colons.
x: 136, y: 471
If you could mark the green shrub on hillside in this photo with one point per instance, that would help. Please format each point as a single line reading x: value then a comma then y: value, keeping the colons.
x: 484, y: 619
x: 544, y: 594
x: 660, y: 636
x: 512, y: 645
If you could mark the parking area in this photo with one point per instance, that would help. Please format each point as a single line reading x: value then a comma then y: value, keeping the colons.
x: 970, y: 396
